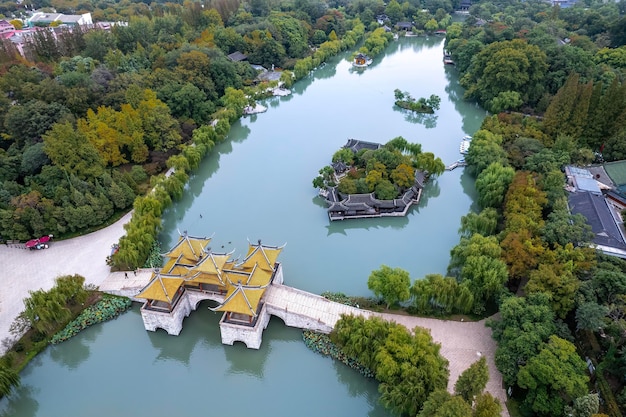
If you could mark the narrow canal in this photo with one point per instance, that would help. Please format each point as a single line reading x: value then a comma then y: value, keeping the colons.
x: 258, y: 185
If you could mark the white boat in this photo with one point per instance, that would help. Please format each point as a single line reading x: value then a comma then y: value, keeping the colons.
x: 465, y: 144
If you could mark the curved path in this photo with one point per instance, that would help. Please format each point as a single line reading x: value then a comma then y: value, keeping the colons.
x: 26, y: 270
x: 462, y: 343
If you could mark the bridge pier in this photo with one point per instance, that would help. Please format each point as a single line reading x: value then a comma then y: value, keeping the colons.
x: 172, y: 321
x: 251, y: 336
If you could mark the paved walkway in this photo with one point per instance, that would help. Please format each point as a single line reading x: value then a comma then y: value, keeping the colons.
x: 25, y: 270
x: 462, y: 343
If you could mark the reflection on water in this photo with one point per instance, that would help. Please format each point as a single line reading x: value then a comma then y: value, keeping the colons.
x: 72, y: 359
x: 257, y: 184
x: 428, y: 120
x: 343, y: 226
x: 21, y: 403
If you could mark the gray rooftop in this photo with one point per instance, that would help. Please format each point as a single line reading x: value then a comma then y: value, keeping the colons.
x: 598, y: 214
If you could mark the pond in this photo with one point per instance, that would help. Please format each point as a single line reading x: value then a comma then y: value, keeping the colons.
x: 258, y: 185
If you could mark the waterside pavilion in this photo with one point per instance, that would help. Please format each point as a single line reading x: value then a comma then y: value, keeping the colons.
x: 193, y: 273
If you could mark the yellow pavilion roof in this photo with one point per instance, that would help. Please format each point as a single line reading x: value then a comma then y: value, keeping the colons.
x: 189, y: 248
x: 212, y: 263
x: 161, y: 288
x: 241, y: 300
x: 263, y: 256
x: 258, y: 277
x: 169, y: 265
x: 203, y: 278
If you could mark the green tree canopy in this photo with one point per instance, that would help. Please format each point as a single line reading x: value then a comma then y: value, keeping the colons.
x: 391, y: 284
x: 553, y: 377
x: 473, y: 380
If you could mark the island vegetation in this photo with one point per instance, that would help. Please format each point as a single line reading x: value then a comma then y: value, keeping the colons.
x: 422, y: 105
x: 387, y: 171
x: 89, y: 117
x: 555, y: 84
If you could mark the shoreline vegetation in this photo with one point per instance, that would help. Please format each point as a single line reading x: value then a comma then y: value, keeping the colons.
x: 51, y: 317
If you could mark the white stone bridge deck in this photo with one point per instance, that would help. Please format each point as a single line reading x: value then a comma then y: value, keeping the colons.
x: 462, y: 343
x: 304, y: 310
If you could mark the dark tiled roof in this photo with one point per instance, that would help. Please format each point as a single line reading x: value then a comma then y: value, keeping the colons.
x: 339, y: 166
x: 237, y: 56
x: 598, y: 214
x: 616, y: 196
x: 356, y: 145
x: 420, y: 178
x: 337, y: 207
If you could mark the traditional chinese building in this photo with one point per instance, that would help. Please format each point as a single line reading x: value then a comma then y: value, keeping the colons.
x: 193, y: 273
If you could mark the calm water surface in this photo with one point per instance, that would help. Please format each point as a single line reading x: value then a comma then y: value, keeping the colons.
x: 258, y: 186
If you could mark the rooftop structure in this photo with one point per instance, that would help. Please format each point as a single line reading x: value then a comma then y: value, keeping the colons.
x: 192, y: 273
x: 237, y: 56
x: 362, y: 60
x: 355, y: 206
x: 617, y: 172
x: 356, y: 145
x: 6, y: 29
x: 608, y: 237
x: 41, y: 18
x: 582, y: 180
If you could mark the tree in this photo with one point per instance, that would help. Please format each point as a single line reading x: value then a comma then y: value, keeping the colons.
x: 557, y: 280
x: 385, y: 190
x: 506, y: 100
x: 71, y: 151
x: 473, y: 380
x: 555, y: 376
x: 485, y: 149
x: 391, y: 284
x: 525, y: 324
x: 585, y: 406
x: 590, y: 316
x: 516, y: 65
x: 492, y: 184
x: 436, y: 293
x: 484, y: 223
x: 394, y: 11
x: 8, y: 379
x: 441, y: 404
x: 409, y: 371
x: 487, y: 406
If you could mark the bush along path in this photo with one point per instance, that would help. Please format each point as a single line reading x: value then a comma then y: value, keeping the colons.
x: 321, y: 343
x: 106, y: 309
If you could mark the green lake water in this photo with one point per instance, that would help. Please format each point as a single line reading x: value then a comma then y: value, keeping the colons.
x: 258, y: 185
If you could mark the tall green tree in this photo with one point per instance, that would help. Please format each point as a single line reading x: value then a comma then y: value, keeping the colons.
x: 553, y: 378
x: 9, y: 379
x: 473, y: 380
x: 391, y: 284
x: 516, y: 65
x: 71, y: 151
x: 492, y: 184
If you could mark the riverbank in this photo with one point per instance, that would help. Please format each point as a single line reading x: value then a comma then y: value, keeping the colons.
x: 25, y: 270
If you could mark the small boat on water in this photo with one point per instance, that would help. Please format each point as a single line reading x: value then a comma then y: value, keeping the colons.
x: 362, y: 61
x: 465, y: 144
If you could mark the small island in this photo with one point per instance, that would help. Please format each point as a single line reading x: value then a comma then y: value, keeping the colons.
x: 368, y: 179
x: 423, y: 105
